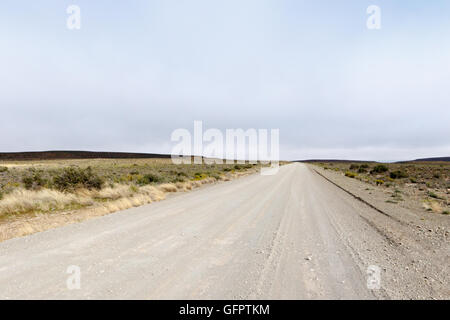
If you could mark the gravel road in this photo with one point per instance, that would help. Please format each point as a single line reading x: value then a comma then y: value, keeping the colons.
x: 293, y: 235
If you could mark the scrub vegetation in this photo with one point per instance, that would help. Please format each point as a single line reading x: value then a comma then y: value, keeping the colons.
x: 30, y: 187
x: 427, y: 181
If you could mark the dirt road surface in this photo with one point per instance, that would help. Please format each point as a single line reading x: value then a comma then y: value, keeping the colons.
x: 293, y: 235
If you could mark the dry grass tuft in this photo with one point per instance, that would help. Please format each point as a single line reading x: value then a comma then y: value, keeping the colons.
x: 44, y: 200
x: 153, y: 193
x: 184, y: 186
x: 434, y: 206
x: 168, y: 187
x: 113, y: 193
x: 31, y: 224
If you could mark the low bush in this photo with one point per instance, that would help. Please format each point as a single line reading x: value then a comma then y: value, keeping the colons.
x: 350, y: 174
x: 398, y: 174
x: 433, y: 195
x: 182, y: 174
x: 242, y: 166
x: 149, y: 178
x: 200, y: 176
x: 74, y: 178
x: 27, y: 182
x: 381, y: 168
x: 3, y: 169
x: 34, y: 182
x: 177, y: 179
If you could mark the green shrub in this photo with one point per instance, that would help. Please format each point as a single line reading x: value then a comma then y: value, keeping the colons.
x: 3, y: 169
x: 149, y: 178
x: 182, y: 174
x: 398, y: 174
x: 200, y: 176
x: 353, y: 167
x: 27, y: 182
x: 34, y: 182
x: 413, y: 180
x: 379, y: 182
x: 433, y: 195
x: 72, y: 178
x: 242, y: 166
x: 364, y: 166
x: 381, y: 168
x: 362, y: 170
x: 216, y: 176
x: 350, y: 174
x: 176, y: 179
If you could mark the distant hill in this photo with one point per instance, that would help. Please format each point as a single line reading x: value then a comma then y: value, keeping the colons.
x: 330, y: 160
x: 345, y: 161
x: 433, y: 159
x: 66, y: 155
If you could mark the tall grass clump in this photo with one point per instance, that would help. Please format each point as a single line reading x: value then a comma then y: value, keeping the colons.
x: 44, y: 200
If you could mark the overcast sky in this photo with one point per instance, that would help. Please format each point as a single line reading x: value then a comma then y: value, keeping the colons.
x: 137, y: 70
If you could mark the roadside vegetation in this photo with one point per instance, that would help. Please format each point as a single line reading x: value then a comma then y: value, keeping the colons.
x: 32, y: 187
x: 427, y: 182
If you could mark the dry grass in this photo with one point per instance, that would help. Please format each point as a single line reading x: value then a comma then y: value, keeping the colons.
x: 433, y: 206
x: 111, y: 193
x: 168, y: 187
x: 44, y: 200
x: 24, y: 211
x: 423, y: 182
x: 115, y: 198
